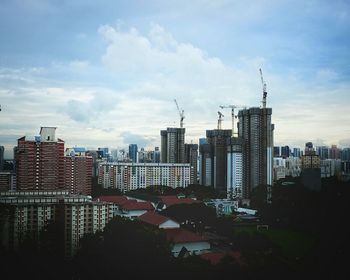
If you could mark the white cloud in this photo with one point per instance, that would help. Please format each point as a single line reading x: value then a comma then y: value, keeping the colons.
x: 148, y: 72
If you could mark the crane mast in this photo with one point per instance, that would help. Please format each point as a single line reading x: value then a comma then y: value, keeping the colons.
x: 233, y: 107
x: 181, y: 113
x: 264, y: 89
x: 220, y: 120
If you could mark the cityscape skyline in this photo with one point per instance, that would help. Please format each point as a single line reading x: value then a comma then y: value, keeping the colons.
x: 109, y: 76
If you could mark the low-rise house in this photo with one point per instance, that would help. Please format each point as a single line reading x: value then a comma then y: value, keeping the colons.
x: 158, y: 220
x: 182, y: 240
x: 192, y: 242
x: 127, y: 207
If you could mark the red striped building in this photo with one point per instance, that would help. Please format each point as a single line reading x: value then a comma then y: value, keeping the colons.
x: 40, y: 162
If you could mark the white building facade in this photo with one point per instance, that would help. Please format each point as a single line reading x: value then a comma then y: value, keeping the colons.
x: 131, y: 176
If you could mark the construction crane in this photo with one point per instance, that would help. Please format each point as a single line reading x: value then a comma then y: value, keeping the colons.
x: 233, y: 107
x: 181, y: 113
x: 264, y: 89
x: 220, y: 120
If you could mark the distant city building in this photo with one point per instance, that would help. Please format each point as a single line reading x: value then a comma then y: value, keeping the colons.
x: 156, y: 155
x: 40, y: 162
x: 2, y: 161
x: 78, y: 167
x: 7, y: 181
x: 235, y: 147
x: 297, y: 152
x: 104, y: 152
x: 311, y: 168
x: 334, y: 152
x: 203, y: 141
x: 345, y: 154
x: 330, y: 167
x: 205, y: 165
x: 256, y: 129
x: 133, y: 152
x: 293, y: 166
x: 191, y: 155
x: 279, y: 168
x: 173, y: 145
x: 276, y: 151
x: 131, y: 176
x: 285, y: 151
x: 323, y: 152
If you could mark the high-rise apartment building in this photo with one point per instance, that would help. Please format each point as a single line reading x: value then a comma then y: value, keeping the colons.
x: 323, y: 152
x: 173, y: 145
x: 131, y: 176
x: 191, y: 156
x: 235, y: 147
x: 78, y: 167
x: 213, y: 159
x: 133, y: 152
x: 40, y: 161
x: 296, y: 152
x: 30, y: 211
x: 205, y: 165
x: 2, y: 161
x: 311, y: 168
x: 256, y: 129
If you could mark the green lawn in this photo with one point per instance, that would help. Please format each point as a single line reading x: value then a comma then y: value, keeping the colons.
x: 293, y: 244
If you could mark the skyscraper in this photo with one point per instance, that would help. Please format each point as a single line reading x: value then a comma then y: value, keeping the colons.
x: 323, y: 152
x: 285, y: 151
x: 40, y: 162
x: 256, y: 129
x: 133, y: 152
x: 173, y: 145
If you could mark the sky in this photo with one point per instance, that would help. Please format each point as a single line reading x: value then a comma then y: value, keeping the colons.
x: 106, y: 73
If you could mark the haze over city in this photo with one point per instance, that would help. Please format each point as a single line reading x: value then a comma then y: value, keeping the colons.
x: 106, y: 73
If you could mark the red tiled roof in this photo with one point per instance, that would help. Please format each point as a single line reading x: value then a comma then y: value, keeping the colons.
x: 169, y: 200
x: 153, y: 218
x: 116, y: 199
x: 134, y: 205
x: 215, y: 257
x: 180, y: 235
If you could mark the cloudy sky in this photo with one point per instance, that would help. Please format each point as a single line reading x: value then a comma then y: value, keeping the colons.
x: 106, y: 73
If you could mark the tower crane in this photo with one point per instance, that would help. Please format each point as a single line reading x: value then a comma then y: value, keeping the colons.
x: 264, y: 89
x: 181, y: 113
x: 233, y: 107
x: 220, y: 120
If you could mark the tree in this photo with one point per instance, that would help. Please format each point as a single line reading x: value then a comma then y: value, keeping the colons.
x: 195, y: 216
x: 126, y: 248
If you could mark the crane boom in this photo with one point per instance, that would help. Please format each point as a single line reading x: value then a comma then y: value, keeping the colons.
x: 233, y: 107
x: 181, y: 113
